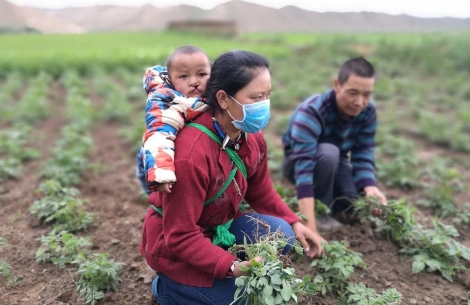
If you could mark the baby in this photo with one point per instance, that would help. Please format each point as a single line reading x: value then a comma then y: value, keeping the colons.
x: 174, y: 97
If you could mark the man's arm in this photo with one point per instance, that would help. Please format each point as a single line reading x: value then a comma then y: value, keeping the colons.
x: 307, y: 208
x: 362, y: 159
x: 306, y: 130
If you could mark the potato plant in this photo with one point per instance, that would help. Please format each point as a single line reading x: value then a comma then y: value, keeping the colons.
x: 432, y: 249
x: 12, y: 85
x: 97, y: 274
x: 440, y: 192
x: 13, y: 151
x: 116, y: 107
x: 34, y: 104
x: 397, y: 164
x: 437, y: 250
x: 5, y: 268
x: 61, y: 248
x: 333, y: 273
x: 69, y: 155
x: 60, y: 205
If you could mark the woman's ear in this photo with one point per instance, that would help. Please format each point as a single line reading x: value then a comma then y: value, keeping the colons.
x: 221, y: 97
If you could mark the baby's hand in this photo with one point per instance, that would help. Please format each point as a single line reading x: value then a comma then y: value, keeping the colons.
x: 165, y: 187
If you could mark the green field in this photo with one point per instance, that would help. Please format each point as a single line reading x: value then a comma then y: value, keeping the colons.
x: 86, y: 83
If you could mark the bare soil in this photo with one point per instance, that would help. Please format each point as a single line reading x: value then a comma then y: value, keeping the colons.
x: 114, y: 196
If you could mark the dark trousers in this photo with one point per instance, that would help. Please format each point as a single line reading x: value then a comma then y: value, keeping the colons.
x: 333, y: 184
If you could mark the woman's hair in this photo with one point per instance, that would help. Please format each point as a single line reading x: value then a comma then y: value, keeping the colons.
x: 231, y: 72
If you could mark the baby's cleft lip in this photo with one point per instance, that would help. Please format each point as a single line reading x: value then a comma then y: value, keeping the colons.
x: 194, y: 91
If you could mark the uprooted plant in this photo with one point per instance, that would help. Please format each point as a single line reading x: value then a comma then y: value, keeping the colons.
x: 397, y: 219
x: 273, y: 280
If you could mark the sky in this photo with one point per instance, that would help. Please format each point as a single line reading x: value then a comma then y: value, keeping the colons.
x: 420, y: 8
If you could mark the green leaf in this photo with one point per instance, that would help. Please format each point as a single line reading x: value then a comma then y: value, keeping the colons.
x: 275, y: 279
x: 40, y: 252
x: 269, y: 300
x: 434, y: 264
x: 267, y: 291
x: 447, y: 275
x: 286, y: 293
x: 466, y: 254
x: 417, y: 266
x: 264, y: 281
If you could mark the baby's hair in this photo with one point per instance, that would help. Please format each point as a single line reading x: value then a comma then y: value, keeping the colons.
x: 187, y: 50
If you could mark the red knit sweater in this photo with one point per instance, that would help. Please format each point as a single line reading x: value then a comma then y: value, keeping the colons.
x: 177, y: 243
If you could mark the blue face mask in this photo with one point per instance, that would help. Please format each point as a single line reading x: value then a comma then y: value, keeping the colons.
x: 255, y: 116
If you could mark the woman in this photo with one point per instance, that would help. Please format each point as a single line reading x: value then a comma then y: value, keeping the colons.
x: 221, y: 158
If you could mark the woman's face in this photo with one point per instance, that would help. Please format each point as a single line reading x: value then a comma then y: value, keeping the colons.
x: 257, y: 90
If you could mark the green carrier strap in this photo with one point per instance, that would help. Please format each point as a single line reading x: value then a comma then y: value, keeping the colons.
x: 222, y: 236
x: 233, y: 155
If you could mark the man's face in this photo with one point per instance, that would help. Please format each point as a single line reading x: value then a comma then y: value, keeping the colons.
x: 189, y: 74
x: 353, y: 96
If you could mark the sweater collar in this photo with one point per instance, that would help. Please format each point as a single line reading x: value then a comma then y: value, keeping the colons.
x: 206, y: 119
x: 226, y: 141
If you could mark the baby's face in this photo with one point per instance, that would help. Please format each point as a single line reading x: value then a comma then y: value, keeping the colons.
x: 189, y: 74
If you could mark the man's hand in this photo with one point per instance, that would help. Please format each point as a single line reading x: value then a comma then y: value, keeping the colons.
x: 310, y: 240
x: 373, y: 191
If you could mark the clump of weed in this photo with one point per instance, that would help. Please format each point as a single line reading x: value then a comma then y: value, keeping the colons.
x: 273, y: 280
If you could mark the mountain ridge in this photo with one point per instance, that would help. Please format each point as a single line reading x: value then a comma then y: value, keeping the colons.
x: 248, y: 16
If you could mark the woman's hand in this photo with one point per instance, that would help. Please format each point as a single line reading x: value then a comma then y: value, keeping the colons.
x: 237, y: 272
x: 310, y: 240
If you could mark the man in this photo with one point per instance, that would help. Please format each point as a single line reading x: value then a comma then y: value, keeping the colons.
x: 329, y: 145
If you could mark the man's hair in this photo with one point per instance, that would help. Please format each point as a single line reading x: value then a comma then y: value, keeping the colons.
x: 358, y: 66
x: 187, y: 50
